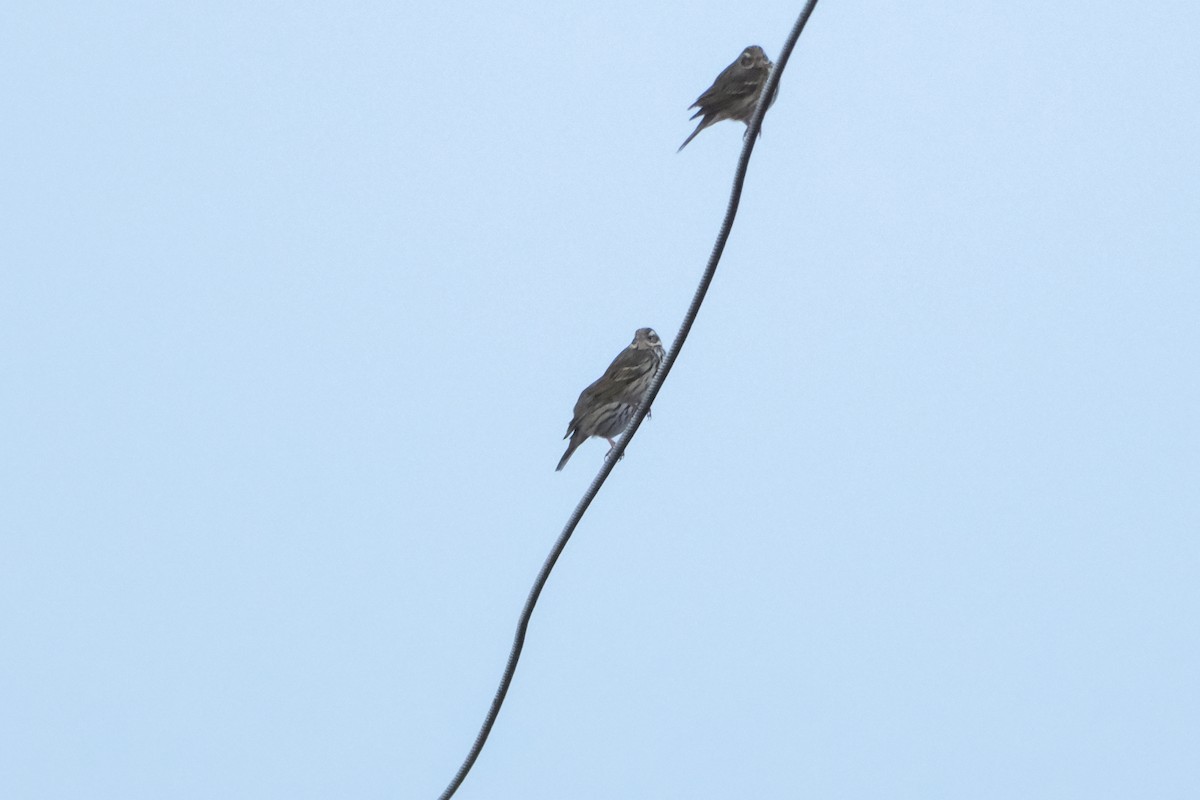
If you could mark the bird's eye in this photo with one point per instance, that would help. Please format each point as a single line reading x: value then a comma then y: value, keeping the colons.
x: 747, y: 60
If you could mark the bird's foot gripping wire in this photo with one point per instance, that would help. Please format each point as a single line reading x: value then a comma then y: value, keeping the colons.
x: 612, y: 445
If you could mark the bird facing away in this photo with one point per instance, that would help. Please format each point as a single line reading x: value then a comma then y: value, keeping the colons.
x: 605, y: 407
x: 735, y: 92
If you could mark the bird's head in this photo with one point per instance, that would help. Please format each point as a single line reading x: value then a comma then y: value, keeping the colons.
x: 645, y: 339
x: 753, y: 57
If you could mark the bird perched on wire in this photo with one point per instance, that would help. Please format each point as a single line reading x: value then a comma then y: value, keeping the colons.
x: 735, y: 92
x: 605, y: 407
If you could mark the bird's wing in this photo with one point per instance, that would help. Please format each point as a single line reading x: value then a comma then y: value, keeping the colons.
x: 735, y: 81
x: 629, y: 365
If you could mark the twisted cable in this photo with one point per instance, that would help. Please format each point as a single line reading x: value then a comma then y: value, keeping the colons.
x: 615, y: 454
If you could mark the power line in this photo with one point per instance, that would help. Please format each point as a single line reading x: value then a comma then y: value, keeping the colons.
x: 615, y: 453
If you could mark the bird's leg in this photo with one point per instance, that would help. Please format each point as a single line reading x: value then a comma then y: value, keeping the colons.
x: 612, y: 444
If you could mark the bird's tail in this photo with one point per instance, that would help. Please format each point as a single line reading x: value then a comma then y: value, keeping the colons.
x: 575, y: 442
x: 704, y: 123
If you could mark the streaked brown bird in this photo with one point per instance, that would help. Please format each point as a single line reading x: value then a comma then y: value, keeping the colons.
x: 605, y: 407
x: 735, y: 92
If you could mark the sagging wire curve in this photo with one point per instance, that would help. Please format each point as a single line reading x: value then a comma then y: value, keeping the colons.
x: 614, y: 455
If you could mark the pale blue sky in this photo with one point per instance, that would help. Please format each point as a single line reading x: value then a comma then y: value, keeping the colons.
x: 297, y: 299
